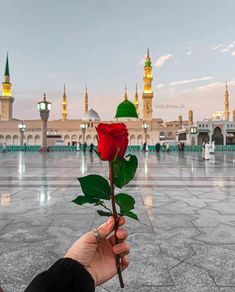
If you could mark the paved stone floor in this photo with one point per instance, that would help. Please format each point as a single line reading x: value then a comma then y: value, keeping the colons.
x: 185, y: 240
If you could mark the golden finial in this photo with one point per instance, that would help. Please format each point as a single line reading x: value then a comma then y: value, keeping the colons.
x: 125, y: 96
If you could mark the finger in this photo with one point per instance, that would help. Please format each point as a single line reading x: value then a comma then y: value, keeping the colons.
x: 122, y: 248
x: 121, y: 235
x: 121, y: 221
x: 107, y: 228
x: 102, y: 231
x: 124, y: 262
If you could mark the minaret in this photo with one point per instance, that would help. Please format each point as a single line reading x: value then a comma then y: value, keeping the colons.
x: 86, y: 101
x: 190, y: 117
x: 148, y: 92
x: 180, y: 119
x: 6, y: 98
x: 226, y: 103
x: 64, y: 113
x: 136, y: 100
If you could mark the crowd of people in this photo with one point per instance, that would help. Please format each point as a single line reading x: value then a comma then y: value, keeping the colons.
x: 165, y: 147
x: 207, y: 148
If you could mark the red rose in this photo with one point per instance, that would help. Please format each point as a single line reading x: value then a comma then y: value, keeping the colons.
x: 111, y: 138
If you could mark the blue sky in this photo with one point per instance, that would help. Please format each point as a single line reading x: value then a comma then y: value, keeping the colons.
x: 103, y: 43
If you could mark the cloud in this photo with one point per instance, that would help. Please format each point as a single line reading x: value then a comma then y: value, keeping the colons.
x: 215, y: 85
x: 229, y: 47
x: 189, y: 53
x: 216, y: 47
x: 190, y: 80
x: 160, y: 85
x: 162, y: 60
x: 225, y: 49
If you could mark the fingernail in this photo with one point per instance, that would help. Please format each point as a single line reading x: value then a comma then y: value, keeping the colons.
x: 110, y: 221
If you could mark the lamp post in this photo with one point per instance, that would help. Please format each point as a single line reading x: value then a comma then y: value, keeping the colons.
x: 145, y: 127
x: 83, y: 127
x: 44, y: 108
x: 22, y: 128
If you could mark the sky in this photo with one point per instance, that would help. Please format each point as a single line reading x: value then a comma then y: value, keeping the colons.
x: 103, y: 43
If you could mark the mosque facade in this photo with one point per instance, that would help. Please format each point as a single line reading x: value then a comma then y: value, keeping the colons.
x: 142, y: 126
x: 220, y: 128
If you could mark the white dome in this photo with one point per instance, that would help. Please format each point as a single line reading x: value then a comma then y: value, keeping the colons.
x: 91, y: 115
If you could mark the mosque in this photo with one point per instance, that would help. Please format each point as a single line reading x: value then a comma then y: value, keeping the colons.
x: 143, y: 127
x: 219, y: 128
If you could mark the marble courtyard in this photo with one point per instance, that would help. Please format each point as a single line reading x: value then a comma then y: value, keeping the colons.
x: 185, y: 240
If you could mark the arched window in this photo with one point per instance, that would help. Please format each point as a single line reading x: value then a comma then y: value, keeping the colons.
x: 15, y: 140
x: 95, y: 140
x: 74, y: 138
x: 88, y: 139
x: 30, y: 140
x: 132, y: 140
x: 8, y: 140
x: 140, y: 139
x: 37, y: 140
x: 80, y: 139
x: 66, y: 139
x: 218, y: 136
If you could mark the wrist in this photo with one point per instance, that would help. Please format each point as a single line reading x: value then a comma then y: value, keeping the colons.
x: 93, y: 275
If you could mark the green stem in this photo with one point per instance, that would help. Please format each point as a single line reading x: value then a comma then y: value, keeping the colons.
x: 116, y: 218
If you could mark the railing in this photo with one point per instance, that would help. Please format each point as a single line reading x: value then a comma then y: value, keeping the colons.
x: 12, y: 148
x: 131, y: 148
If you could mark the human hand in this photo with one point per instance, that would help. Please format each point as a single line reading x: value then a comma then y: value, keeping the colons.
x: 98, y: 256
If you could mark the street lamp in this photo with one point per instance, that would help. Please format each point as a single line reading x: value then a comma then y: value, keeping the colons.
x: 83, y: 127
x: 22, y: 128
x: 145, y: 127
x: 44, y: 108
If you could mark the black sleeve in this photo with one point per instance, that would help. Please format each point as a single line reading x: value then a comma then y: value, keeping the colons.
x: 66, y: 275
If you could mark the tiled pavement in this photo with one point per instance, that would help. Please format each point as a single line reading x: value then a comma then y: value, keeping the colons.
x: 185, y: 240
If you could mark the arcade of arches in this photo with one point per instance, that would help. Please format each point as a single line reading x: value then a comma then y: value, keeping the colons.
x: 217, y: 136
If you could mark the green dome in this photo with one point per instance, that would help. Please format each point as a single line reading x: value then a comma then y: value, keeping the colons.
x: 126, y: 109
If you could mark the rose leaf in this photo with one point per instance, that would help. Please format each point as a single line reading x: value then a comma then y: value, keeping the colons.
x: 95, y: 186
x: 81, y: 200
x: 124, y: 170
x: 131, y: 215
x: 103, y: 213
x: 125, y: 202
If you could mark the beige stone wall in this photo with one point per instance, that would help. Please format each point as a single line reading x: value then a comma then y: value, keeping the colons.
x: 70, y: 131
